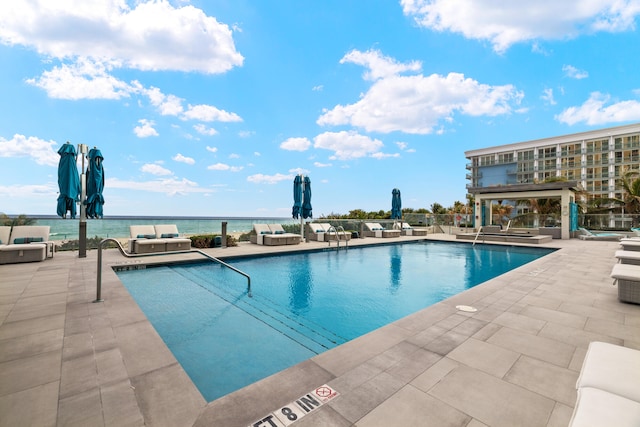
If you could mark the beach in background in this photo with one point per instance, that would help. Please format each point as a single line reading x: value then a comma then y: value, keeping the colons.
x: 118, y: 227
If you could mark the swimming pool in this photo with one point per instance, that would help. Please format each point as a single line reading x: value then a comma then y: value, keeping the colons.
x: 303, y: 304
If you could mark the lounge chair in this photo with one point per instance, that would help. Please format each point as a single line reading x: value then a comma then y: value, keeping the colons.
x: 273, y: 235
x: 146, y: 239
x: 25, y: 243
x: 608, y: 392
x: 636, y: 231
x: 590, y: 235
x: 373, y: 229
x: 628, y: 278
x: 408, y: 230
x: 628, y: 257
x: 325, y: 232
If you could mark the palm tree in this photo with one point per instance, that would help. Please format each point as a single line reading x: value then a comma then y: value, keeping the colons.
x: 629, y: 183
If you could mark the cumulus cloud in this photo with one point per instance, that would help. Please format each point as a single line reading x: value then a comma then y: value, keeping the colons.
x: 506, y: 23
x: 322, y: 165
x: 203, y: 130
x: 269, y: 179
x: 574, y: 73
x: 594, y: 111
x: 416, y: 104
x: 155, y: 169
x: 40, y: 151
x: 379, y: 66
x: 224, y: 167
x: 209, y: 113
x: 547, y: 96
x: 168, y: 186
x: 167, y: 105
x: 296, y: 144
x: 183, y: 159
x: 145, y: 129
x: 153, y: 35
x: 347, y: 145
x: 212, y: 149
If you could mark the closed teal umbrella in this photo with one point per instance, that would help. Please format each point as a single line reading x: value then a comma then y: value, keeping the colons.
x: 68, y: 181
x: 306, y: 199
x: 95, y: 184
x: 396, y: 204
x: 297, y: 196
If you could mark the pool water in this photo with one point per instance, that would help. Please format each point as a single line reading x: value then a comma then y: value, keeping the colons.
x: 302, y: 304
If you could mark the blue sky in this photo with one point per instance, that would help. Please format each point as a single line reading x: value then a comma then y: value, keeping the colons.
x: 210, y: 108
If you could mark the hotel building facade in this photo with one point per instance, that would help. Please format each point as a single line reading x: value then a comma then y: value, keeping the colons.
x: 595, y: 160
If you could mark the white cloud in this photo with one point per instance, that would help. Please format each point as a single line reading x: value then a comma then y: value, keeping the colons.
x: 209, y: 113
x: 322, y: 165
x: 381, y: 156
x: 203, y: 130
x: 547, y: 96
x: 296, y: 144
x: 574, y: 73
x: 269, y: 179
x: 379, y: 66
x: 151, y: 36
x: 167, y: 105
x: 145, y: 129
x: 401, y: 145
x: 182, y: 159
x: 224, y: 167
x: 85, y: 79
x: 347, y: 145
x: 416, y: 104
x: 212, y: 149
x: 29, y: 192
x: 155, y: 169
x: 506, y: 23
x: 318, y: 88
x: 42, y: 152
x: 169, y: 186
x: 594, y: 112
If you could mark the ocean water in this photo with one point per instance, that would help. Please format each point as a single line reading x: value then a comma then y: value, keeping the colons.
x: 118, y: 227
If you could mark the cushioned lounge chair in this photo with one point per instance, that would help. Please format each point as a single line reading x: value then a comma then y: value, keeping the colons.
x: 608, y: 392
x: 631, y: 244
x: 264, y: 235
x: 325, y: 232
x: 408, y: 230
x: 292, y: 238
x: 26, y: 243
x: 373, y: 229
x: 627, y: 277
x: 628, y: 257
x: 169, y: 233
x: 590, y: 235
x: 159, y: 238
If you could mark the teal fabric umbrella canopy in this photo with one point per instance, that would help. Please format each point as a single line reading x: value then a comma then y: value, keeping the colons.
x: 297, y: 197
x: 396, y: 204
x: 95, y: 184
x: 68, y: 181
x: 306, y: 199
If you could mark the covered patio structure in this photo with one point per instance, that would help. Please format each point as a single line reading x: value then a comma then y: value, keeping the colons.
x: 563, y: 190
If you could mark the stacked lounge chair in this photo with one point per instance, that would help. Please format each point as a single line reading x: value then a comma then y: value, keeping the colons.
x: 273, y: 235
x: 159, y: 238
x: 24, y: 243
x: 373, y: 229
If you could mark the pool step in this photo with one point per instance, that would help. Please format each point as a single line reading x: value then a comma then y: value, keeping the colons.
x: 306, y: 333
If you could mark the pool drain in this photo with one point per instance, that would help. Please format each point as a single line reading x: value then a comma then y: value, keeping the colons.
x: 466, y: 308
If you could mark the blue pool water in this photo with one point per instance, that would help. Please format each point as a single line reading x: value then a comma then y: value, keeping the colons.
x: 303, y: 304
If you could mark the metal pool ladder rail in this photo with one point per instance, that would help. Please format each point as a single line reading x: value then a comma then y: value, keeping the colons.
x: 335, y: 230
x: 128, y: 255
x: 477, y: 234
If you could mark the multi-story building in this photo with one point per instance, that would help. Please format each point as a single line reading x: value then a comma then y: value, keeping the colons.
x: 595, y: 159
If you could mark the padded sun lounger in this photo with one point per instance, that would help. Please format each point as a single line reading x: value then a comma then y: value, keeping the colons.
x: 273, y: 235
x: 26, y: 243
x: 278, y: 231
x: 408, y: 230
x: 373, y: 229
x: 589, y: 235
x: 146, y: 239
x: 628, y: 257
x: 630, y: 244
x: 628, y: 278
x: 608, y: 392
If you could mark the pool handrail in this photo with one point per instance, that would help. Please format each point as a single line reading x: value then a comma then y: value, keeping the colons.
x: 477, y: 234
x: 128, y: 255
x: 335, y: 230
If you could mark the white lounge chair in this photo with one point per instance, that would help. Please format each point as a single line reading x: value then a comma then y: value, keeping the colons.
x: 374, y: 229
x: 278, y: 230
x: 408, y: 230
x: 608, y: 392
x: 273, y: 235
x: 628, y: 278
x: 590, y: 235
x: 159, y: 238
x: 26, y: 243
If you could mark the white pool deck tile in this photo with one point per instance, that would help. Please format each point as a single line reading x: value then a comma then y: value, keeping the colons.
x: 67, y: 361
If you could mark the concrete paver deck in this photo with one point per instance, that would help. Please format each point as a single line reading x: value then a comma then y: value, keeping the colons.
x: 67, y: 361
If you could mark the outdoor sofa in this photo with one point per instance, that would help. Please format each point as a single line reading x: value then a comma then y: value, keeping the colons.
x: 24, y: 243
x: 273, y: 235
x: 608, y: 392
x: 373, y: 229
x: 156, y: 238
x: 325, y: 232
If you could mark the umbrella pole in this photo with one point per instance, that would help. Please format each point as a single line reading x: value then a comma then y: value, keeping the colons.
x: 82, y: 227
x: 302, y: 199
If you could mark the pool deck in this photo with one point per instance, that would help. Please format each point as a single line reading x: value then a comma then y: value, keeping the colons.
x: 67, y: 361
